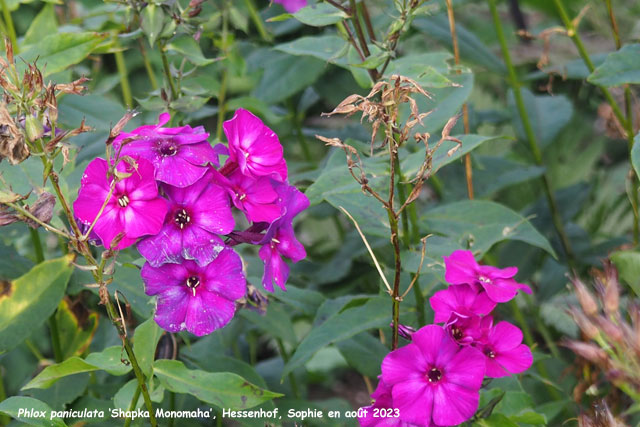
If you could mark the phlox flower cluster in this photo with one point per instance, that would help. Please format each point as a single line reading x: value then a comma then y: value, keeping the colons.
x: 166, y: 193
x: 435, y: 380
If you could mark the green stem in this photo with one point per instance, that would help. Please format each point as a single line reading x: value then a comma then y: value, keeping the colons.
x: 172, y: 406
x: 34, y: 350
x: 167, y: 73
x: 8, y: 20
x: 147, y: 66
x: 37, y: 245
x: 420, y: 304
x: 4, y: 419
x: 257, y: 21
x: 304, y: 144
x: 121, y: 65
x: 113, y: 315
x: 531, y: 137
x: 132, y: 405
x: 292, y: 378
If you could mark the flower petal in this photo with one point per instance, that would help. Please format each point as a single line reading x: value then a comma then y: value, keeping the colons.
x: 207, y: 312
x: 171, y: 309
x: 453, y: 404
x: 460, y: 267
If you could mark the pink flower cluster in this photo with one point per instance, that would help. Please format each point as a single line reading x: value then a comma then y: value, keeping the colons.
x: 167, y: 192
x: 435, y: 380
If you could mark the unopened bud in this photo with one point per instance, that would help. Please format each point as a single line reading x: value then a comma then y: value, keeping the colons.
x: 611, y: 294
x: 405, y: 331
x: 612, y: 332
x: 590, y: 352
x: 586, y: 300
x: 33, y: 127
x: 589, y: 330
x: 256, y: 301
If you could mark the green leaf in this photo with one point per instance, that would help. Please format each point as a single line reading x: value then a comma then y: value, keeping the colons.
x: 14, y: 404
x: 275, y: 322
x: 110, y: 360
x: 43, y: 24
x: 189, y: 48
x: 305, y: 300
x: 25, y: 303
x: 479, y: 224
x: 495, y: 420
x: 75, y: 333
x: 152, y: 22
x: 547, y: 114
x: 619, y: 68
x: 145, y: 341
x: 373, y: 314
x: 364, y: 352
x: 222, y: 389
x: 284, y: 75
x: 635, y: 154
x: 427, y: 69
x: 320, y: 15
x: 628, y: 265
x: 59, y: 51
x: 329, y: 48
x: 12, y: 264
x: 471, y: 48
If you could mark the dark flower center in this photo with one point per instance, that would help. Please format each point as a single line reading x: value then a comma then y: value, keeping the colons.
x: 489, y: 353
x: 192, y: 283
x: 168, y: 148
x: 123, y: 201
x: 182, y: 218
x: 456, y: 333
x: 434, y: 375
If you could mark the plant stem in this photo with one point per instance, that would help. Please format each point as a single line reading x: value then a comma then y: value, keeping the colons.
x: 304, y: 145
x: 292, y: 378
x: 147, y: 65
x: 121, y: 65
x: 257, y: 21
x: 167, y: 73
x: 225, y: 73
x: 37, y: 245
x: 132, y: 405
x: 629, y: 126
x: 367, y: 20
x: 113, y: 315
x: 468, y: 171
x: 356, y: 24
x: 8, y: 20
x: 531, y: 137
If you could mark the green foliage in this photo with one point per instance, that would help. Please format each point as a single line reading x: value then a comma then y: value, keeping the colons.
x: 618, y: 68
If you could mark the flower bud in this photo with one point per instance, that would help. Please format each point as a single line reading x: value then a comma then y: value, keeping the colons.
x: 591, y: 352
x: 586, y: 300
x: 405, y: 331
x: 612, y: 332
x: 589, y: 330
x: 611, y: 294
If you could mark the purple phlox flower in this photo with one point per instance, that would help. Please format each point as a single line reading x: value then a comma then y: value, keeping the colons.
x: 197, y: 214
x: 134, y: 208
x: 255, y: 197
x: 462, y: 300
x: 280, y: 238
x: 505, y: 354
x: 433, y: 380
x: 197, y: 298
x: 93, y: 238
x: 253, y: 147
x: 462, y: 268
x: 465, y: 330
x: 388, y: 416
x: 292, y: 6
x: 180, y: 154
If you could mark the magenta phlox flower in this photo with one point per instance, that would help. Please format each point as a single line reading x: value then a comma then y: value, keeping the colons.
x: 462, y: 268
x: 253, y: 147
x: 385, y: 414
x: 505, y: 354
x: 180, y: 155
x: 280, y: 239
x: 463, y: 300
x: 465, y: 330
x: 292, y: 6
x: 197, y: 214
x: 197, y: 298
x: 255, y: 197
x: 134, y: 208
x: 433, y: 379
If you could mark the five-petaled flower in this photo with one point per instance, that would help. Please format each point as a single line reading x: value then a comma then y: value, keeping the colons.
x: 197, y: 298
x: 133, y: 208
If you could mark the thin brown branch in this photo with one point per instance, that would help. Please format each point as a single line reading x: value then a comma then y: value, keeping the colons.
x: 339, y: 6
x: 367, y: 20
x: 415, y: 278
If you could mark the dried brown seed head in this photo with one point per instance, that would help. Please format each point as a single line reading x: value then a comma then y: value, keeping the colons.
x: 12, y: 144
x: 585, y: 298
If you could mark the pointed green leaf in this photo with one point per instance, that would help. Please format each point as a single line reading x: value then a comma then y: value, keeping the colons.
x: 222, y: 389
x: 44, y: 24
x: 25, y: 303
x: 75, y: 332
x: 145, y: 341
x: 14, y: 404
x: 320, y: 15
x: 621, y: 67
x: 110, y: 360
